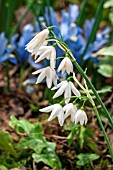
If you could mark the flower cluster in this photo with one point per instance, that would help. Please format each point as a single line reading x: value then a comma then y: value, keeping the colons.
x: 39, y: 47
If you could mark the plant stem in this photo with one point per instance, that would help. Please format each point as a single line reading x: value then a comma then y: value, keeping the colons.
x: 95, y: 25
x: 21, y: 19
x: 103, y: 130
x: 94, y: 91
x: 81, y: 14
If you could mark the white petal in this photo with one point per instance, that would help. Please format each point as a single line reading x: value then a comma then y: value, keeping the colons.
x: 61, y: 117
x: 69, y: 65
x: 63, y: 70
x: 74, y: 89
x: 58, y: 85
x: 54, y: 113
x: 62, y: 64
x: 53, y: 58
x: 38, y: 71
x: 49, y: 78
x: 54, y: 77
x: 81, y: 117
x: 44, y: 55
x: 67, y: 94
x: 60, y: 91
x: 67, y: 107
x: 37, y: 41
x: 73, y: 114
x: 41, y: 77
x: 47, y: 109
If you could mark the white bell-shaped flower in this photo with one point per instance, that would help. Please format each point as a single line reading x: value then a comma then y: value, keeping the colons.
x: 47, y: 52
x: 66, y: 65
x: 49, y: 74
x: 81, y: 117
x: 66, y: 88
x: 70, y: 109
x: 37, y: 42
x: 57, y: 111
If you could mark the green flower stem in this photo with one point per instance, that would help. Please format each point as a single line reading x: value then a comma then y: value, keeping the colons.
x: 21, y: 19
x: 103, y: 130
x: 94, y: 91
x: 81, y: 14
x: 95, y: 25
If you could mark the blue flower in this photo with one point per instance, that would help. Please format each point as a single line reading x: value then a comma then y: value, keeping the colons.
x: 5, y: 50
x: 27, y: 35
x: 88, y: 25
x: 100, y: 40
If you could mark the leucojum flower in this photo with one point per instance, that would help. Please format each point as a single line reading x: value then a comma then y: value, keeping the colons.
x: 39, y: 47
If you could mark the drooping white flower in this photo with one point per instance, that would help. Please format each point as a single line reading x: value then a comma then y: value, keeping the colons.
x: 70, y: 109
x: 66, y: 88
x: 37, y: 41
x: 57, y: 110
x: 81, y: 117
x: 49, y: 74
x: 47, y: 52
x: 66, y: 65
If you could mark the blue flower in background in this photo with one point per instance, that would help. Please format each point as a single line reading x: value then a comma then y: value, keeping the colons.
x: 88, y: 25
x: 100, y: 40
x: 27, y: 35
x: 6, y: 50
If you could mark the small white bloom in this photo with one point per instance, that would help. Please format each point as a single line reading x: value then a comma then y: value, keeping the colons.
x: 81, y: 117
x: 57, y: 110
x: 70, y: 109
x: 47, y: 52
x: 66, y: 65
x: 66, y: 88
x: 37, y: 41
x: 49, y: 74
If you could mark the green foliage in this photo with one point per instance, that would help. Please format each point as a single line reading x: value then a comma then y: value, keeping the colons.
x: 105, y: 70
x: 6, y: 143
x: 106, y: 51
x: 108, y: 4
x: 32, y: 145
x: 106, y: 63
x: 42, y: 151
x: 86, y: 158
x: 83, y: 135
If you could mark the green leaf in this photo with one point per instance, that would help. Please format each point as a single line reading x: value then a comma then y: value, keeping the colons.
x: 92, y: 146
x: 6, y: 143
x: 86, y: 158
x: 3, y: 167
x: 32, y: 143
x: 108, y: 4
x: 106, y: 51
x: 81, y: 136
x: 105, y: 70
x: 105, y: 89
x: 72, y: 134
x: 21, y: 126
x: 49, y: 159
x: 111, y: 16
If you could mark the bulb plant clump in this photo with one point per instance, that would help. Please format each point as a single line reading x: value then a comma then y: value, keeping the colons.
x: 40, y: 48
